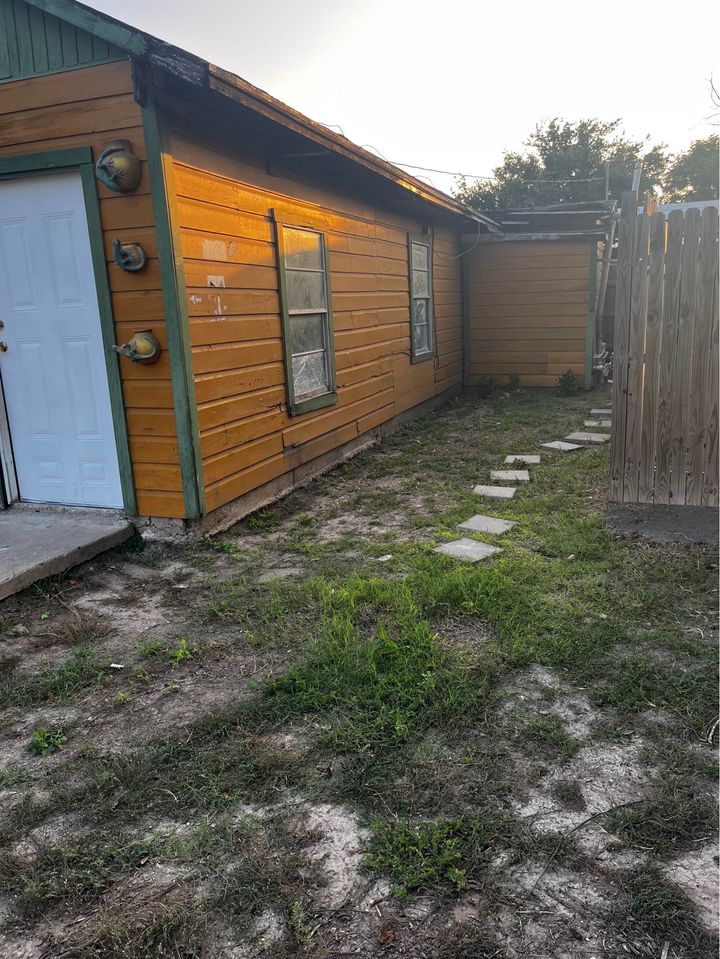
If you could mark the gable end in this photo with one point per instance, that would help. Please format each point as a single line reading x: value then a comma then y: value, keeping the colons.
x: 34, y: 42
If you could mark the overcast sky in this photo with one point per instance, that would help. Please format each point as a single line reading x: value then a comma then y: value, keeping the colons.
x: 452, y: 84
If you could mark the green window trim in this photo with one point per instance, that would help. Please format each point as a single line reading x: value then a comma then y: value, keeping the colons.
x: 296, y: 405
x: 421, y: 356
x: 81, y: 159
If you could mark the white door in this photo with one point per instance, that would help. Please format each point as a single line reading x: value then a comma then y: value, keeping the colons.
x: 52, y: 361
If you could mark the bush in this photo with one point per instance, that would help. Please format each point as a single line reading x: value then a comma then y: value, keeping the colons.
x: 568, y: 384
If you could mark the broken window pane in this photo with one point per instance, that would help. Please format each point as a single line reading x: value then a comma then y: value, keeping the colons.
x: 303, y: 249
x: 419, y: 257
x: 306, y: 291
x: 421, y: 283
x: 307, y: 332
x: 310, y: 374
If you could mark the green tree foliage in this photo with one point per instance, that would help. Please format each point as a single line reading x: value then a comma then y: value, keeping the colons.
x: 573, y: 153
x: 693, y: 175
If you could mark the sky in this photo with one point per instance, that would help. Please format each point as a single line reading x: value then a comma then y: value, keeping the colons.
x: 453, y: 84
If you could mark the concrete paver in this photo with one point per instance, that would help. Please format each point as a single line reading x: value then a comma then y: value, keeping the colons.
x: 606, y: 412
x: 510, y: 476
x: 495, y: 492
x: 469, y: 550
x: 529, y: 459
x: 486, y: 524
x: 603, y: 423
x: 561, y: 446
x: 588, y: 439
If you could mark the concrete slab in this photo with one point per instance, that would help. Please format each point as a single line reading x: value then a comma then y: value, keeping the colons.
x: 468, y: 550
x: 603, y: 423
x: 486, y: 524
x: 45, y: 541
x: 510, y: 476
x: 588, y: 439
x: 606, y: 412
x: 495, y: 492
x: 529, y: 459
x: 561, y: 447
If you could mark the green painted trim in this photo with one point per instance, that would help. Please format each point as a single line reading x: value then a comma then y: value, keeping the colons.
x: 107, y: 326
x: 324, y: 399
x: 45, y: 160
x: 466, y: 319
x: 428, y: 242
x: 35, y: 164
x: 94, y: 22
x: 590, y: 321
x: 172, y: 276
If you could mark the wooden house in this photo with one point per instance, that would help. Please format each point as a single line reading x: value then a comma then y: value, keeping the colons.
x: 206, y: 297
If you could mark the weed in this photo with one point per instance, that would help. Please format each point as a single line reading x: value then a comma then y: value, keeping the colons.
x: 45, y: 742
x: 173, y: 688
x: 568, y: 383
x: 678, y: 818
x: 151, y: 647
x: 263, y: 521
x: 514, y: 381
x: 122, y: 699
x: 485, y: 386
x: 13, y: 777
x: 180, y: 654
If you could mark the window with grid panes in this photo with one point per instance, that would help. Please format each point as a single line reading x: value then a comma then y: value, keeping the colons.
x: 421, y: 318
x: 307, y: 318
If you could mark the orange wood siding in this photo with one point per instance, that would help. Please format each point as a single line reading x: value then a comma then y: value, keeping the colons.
x: 87, y: 107
x: 247, y: 437
x: 528, y: 309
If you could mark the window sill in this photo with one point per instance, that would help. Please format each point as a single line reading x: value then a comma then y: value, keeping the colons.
x: 313, y: 403
x: 422, y: 357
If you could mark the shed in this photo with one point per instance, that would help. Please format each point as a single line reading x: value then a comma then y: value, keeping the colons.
x: 532, y: 293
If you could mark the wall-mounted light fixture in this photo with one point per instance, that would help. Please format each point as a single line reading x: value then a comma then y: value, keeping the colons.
x: 118, y: 167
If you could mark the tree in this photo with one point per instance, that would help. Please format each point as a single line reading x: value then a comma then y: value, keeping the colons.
x: 574, y: 153
x: 693, y: 175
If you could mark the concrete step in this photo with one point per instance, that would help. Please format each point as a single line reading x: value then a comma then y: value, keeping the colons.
x: 36, y: 542
x: 468, y: 550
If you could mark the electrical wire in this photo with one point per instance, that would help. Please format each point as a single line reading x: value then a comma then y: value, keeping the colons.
x: 476, y: 176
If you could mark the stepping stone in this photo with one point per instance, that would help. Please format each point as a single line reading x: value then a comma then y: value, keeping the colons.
x: 495, y: 492
x: 588, y: 439
x: 606, y: 423
x: 528, y: 458
x: 486, y: 524
x: 469, y: 550
x: 510, y: 476
x: 600, y: 412
x: 561, y: 446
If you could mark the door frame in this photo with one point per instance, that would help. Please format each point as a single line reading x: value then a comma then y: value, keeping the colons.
x: 55, y: 161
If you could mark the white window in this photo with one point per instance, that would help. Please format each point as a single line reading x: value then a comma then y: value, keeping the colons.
x: 421, y: 312
x: 307, y: 318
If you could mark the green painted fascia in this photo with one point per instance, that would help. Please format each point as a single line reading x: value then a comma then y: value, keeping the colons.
x: 80, y: 158
x: 590, y: 321
x: 99, y: 24
x: 172, y: 276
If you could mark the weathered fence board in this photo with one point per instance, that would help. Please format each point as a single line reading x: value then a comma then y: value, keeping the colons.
x: 664, y: 446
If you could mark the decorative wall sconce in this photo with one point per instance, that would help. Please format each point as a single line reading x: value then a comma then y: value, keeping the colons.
x: 118, y: 167
x: 128, y: 256
x: 142, y: 347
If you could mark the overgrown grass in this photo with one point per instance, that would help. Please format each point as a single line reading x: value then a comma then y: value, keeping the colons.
x: 82, y: 670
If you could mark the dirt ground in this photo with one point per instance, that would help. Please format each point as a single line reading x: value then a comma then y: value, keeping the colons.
x: 314, y: 737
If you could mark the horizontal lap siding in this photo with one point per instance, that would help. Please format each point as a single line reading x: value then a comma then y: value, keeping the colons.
x: 224, y: 212
x: 87, y: 107
x: 528, y: 309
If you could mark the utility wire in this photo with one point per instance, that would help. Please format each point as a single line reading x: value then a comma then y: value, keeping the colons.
x: 476, y: 176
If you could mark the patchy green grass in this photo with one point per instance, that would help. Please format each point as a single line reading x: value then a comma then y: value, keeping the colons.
x: 384, y: 698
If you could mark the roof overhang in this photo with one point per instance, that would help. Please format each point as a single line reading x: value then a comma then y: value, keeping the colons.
x: 188, y: 68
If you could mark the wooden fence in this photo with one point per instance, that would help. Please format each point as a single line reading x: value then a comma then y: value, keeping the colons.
x: 664, y: 444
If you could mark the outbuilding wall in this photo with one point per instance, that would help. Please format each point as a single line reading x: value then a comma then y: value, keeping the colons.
x: 248, y: 439
x: 528, y: 305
